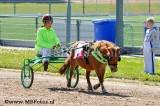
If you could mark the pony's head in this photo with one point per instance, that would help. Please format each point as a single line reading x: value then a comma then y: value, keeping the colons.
x: 112, y: 53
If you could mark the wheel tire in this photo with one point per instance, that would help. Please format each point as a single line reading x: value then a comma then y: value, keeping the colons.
x: 27, y: 72
x: 75, y: 76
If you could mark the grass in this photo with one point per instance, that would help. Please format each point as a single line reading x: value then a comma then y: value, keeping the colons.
x: 60, y: 8
x: 129, y: 67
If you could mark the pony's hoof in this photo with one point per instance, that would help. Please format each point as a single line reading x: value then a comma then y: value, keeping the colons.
x: 96, y: 86
x: 68, y: 85
x: 90, y: 89
x: 103, y: 91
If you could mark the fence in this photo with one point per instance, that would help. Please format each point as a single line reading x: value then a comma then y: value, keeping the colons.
x: 23, y: 28
x: 131, y: 7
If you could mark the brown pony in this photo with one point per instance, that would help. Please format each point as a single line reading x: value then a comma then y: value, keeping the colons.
x: 109, y: 51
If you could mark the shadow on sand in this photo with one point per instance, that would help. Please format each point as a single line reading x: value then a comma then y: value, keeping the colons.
x: 81, y: 90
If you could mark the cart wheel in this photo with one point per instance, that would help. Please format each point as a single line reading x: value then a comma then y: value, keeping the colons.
x: 75, y: 77
x: 27, y: 76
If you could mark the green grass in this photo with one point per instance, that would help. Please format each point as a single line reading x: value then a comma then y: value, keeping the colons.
x: 129, y: 67
x: 18, y: 28
x: 60, y: 8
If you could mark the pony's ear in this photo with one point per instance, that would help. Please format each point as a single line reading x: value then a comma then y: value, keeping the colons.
x: 117, y: 48
x: 108, y: 51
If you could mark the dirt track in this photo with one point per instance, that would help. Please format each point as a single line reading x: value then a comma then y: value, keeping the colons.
x: 48, y: 88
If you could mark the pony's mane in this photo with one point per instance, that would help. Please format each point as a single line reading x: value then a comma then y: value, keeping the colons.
x: 104, y: 42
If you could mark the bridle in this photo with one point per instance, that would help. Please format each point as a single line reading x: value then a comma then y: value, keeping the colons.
x: 109, y: 58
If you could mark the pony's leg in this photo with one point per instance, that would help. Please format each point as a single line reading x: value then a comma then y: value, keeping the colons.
x: 88, y: 80
x: 72, y: 68
x: 100, y: 75
x: 103, y: 90
x: 96, y: 86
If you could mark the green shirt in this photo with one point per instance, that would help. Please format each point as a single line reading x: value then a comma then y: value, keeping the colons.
x: 46, y: 38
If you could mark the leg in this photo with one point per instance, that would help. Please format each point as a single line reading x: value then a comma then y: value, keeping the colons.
x: 145, y: 54
x: 45, y: 65
x: 45, y: 52
x: 151, y: 67
x: 88, y: 79
x: 102, y: 80
x: 69, y: 81
x: 96, y: 86
x: 72, y: 68
x: 100, y: 77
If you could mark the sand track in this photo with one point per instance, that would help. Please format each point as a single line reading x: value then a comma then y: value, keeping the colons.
x: 48, y: 88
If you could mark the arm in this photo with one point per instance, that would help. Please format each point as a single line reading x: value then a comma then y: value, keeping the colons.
x: 55, y: 40
x: 141, y: 48
x: 154, y: 39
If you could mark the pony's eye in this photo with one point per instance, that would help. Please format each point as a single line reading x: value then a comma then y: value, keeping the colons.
x: 110, y: 58
x: 119, y: 59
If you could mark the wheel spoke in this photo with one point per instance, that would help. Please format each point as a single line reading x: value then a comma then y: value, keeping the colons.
x: 27, y: 76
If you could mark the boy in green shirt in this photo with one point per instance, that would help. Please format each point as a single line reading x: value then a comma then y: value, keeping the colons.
x: 46, y: 39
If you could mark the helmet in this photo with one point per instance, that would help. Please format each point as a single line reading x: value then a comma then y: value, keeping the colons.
x: 46, y: 18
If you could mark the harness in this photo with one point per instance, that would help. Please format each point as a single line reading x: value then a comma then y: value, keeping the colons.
x: 87, y: 49
x: 95, y: 53
x: 98, y: 55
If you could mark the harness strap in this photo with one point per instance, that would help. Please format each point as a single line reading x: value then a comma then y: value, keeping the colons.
x: 98, y: 55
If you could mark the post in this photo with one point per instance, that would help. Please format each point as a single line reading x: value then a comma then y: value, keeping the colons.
x: 14, y: 7
x: 149, y: 7
x: 78, y: 29
x: 0, y: 34
x: 83, y: 7
x: 119, y: 24
x: 0, y: 31
x: 110, y: 7
x: 96, y: 6
x: 49, y: 7
x: 36, y: 23
x: 68, y: 25
x: 126, y: 7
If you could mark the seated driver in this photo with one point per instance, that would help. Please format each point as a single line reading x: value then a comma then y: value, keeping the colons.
x: 46, y: 39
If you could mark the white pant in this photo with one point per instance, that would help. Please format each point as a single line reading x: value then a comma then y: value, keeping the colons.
x: 148, y: 58
x: 45, y: 52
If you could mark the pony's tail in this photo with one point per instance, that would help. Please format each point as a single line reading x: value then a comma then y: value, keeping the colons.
x: 66, y: 64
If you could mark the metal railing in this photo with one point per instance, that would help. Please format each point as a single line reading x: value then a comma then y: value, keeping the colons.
x: 23, y: 28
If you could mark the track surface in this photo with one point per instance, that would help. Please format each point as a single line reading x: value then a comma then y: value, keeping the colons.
x: 53, y: 88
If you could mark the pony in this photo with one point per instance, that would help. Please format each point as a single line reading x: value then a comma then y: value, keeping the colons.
x: 107, y: 53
